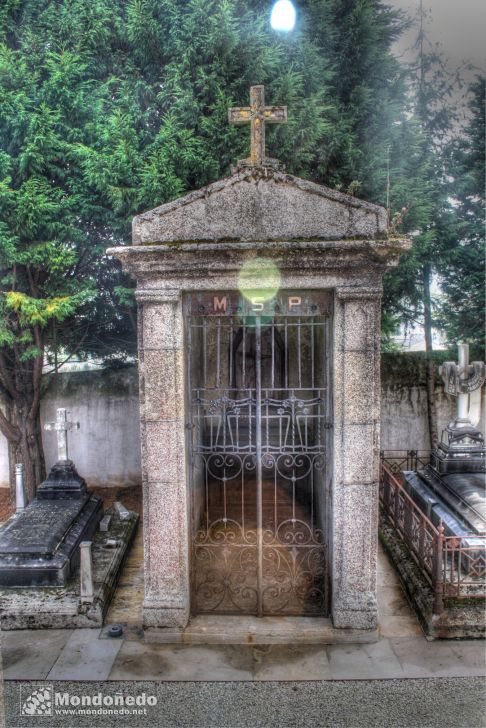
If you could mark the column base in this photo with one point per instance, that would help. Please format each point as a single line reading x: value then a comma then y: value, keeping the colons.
x: 163, y: 616
x: 356, y: 612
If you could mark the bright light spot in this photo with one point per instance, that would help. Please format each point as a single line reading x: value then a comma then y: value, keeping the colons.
x: 259, y: 280
x: 283, y: 15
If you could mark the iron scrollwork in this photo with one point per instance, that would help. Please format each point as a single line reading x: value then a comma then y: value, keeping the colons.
x: 258, y: 454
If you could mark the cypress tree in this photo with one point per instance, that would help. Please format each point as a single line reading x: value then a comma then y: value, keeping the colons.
x: 110, y: 107
x: 462, y: 264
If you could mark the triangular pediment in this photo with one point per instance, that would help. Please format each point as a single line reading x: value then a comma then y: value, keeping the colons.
x: 259, y: 205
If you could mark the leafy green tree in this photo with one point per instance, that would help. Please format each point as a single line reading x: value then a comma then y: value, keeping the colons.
x: 110, y: 107
x: 368, y: 85
x: 40, y: 252
x: 53, y: 230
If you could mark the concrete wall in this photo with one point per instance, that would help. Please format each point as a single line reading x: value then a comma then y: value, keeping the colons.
x: 404, y: 423
x: 106, y: 449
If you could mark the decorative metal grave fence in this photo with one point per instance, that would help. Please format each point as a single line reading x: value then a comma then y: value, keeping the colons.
x: 454, y: 567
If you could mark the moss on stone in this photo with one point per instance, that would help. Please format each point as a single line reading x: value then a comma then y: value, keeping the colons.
x: 407, y: 369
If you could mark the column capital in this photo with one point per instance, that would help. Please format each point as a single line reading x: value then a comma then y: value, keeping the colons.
x: 158, y: 295
x: 354, y: 293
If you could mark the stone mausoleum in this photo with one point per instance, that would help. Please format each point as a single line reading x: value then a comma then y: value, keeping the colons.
x: 259, y: 356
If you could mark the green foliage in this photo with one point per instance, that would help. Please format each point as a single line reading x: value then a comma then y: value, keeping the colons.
x: 438, y: 201
x: 420, y: 199
x: 440, y: 189
x: 111, y: 107
x: 370, y: 84
x: 108, y: 108
x: 462, y: 266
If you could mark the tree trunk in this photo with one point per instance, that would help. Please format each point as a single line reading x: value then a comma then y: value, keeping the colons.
x: 430, y: 364
x: 20, y: 421
x: 29, y: 451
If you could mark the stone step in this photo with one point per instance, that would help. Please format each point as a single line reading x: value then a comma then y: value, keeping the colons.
x: 244, y: 630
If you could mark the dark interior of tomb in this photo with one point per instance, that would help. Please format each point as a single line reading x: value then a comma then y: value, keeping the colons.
x: 289, y: 397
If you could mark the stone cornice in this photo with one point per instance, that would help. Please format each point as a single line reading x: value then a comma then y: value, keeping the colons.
x: 206, y: 259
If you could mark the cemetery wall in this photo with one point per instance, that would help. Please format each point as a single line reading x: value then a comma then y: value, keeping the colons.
x: 106, y: 449
x: 404, y: 422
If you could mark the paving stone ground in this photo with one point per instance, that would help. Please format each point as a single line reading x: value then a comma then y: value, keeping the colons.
x: 395, y: 614
x: 401, y: 652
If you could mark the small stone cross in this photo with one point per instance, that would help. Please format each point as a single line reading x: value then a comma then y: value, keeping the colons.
x: 257, y: 114
x: 61, y: 426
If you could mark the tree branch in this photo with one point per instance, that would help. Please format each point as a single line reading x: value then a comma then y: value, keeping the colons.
x: 11, y: 432
x: 33, y: 288
x: 5, y: 376
x: 37, y: 374
x: 75, y: 351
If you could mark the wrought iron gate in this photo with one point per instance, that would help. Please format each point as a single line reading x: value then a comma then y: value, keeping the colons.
x: 259, y: 407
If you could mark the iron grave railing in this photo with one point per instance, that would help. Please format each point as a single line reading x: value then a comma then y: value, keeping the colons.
x: 400, y: 460
x: 454, y: 567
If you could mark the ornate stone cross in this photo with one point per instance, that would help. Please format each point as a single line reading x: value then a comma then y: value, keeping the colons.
x: 464, y: 381
x: 61, y: 426
x: 257, y: 114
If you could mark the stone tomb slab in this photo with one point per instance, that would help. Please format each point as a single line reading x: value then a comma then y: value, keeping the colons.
x: 248, y: 630
x: 39, y: 530
x: 61, y: 607
x: 38, y: 547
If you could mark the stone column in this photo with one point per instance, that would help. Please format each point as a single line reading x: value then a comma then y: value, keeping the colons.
x: 356, y: 457
x: 161, y: 366
x: 19, y: 488
x: 86, y: 586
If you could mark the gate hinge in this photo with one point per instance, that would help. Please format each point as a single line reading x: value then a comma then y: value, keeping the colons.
x: 189, y: 426
x: 328, y: 426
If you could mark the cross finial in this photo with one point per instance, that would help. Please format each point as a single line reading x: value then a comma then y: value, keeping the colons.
x: 61, y: 426
x: 257, y: 114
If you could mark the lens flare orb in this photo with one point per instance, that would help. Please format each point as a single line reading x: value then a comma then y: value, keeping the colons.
x: 259, y: 280
x: 283, y: 15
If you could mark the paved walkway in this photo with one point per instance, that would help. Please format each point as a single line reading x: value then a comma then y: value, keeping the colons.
x: 401, y: 652
x: 87, y: 654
